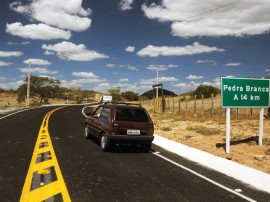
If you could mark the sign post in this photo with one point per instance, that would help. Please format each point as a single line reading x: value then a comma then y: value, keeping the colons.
x: 228, y: 129
x: 244, y: 93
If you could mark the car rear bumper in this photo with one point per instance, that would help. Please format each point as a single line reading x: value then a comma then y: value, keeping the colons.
x: 131, y: 138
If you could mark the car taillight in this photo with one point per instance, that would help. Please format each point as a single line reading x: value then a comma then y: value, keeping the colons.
x: 113, y: 129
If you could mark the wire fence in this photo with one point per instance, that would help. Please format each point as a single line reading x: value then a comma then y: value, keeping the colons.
x: 192, y: 107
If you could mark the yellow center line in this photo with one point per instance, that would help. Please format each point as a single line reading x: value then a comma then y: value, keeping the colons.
x: 38, y: 168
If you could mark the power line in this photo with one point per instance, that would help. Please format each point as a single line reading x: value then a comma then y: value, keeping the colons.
x: 212, y: 10
x: 166, y: 25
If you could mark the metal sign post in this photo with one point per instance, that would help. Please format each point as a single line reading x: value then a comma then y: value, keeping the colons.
x: 261, y: 127
x: 244, y: 93
x: 228, y: 129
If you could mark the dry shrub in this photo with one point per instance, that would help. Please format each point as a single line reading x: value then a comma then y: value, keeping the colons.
x: 204, y: 131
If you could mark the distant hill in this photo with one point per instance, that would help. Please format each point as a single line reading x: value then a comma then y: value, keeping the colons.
x: 150, y: 94
x: 187, y: 93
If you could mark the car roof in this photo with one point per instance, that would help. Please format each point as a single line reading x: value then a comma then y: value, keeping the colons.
x: 121, y: 104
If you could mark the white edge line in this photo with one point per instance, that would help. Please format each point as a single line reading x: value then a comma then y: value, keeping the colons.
x: 14, y: 113
x: 205, y: 178
x: 253, y: 177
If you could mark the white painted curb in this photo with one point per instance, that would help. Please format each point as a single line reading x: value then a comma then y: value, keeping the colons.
x: 253, y: 177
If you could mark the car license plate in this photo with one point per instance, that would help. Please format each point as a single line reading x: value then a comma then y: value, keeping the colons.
x: 133, y: 132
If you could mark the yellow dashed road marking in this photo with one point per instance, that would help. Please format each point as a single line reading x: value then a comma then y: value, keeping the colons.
x: 43, y: 162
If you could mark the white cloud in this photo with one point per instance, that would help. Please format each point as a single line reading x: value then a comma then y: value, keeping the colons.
x: 88, y: 77
x: 212, y: 62
x: 35, y: 61
x: 267, y: 70
x: 111, y: 65
x: 181, y: 85
x: 38, y: 70
x: 2, y: 78
x: 79, y: 83
x: 125, y: 5
x: 2, y: 63
x: 195, y: 48
x: 11, y: 85
x: 160, y: 79
x: 146, y: 87
x: 172, y: 66
x: 103, y: 87
x: 69, y: 84
x: 187, y: 86
x: 123, y: 80
x: 64, y: 14
x: 69, y: 51
x: 22, y: 43
x: 230, y: 76
x: 25, y: 43
x: 37, y: 31
x: 132, y: 68
x: 86, y: 80
x: 160, y: 67
x: 130, y: 49
x: 193, y: 77
x: 188, y: 18
x: 233, y: 64
x: 10, y: 53
x: 84, y: 74
x: 46, y: 76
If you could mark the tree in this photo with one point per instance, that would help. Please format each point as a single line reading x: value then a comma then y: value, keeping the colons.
x: 130, y: 96
x: 42, y: 88
x: 2, y: 90
x: 206, y: 91
x: 115, y: 93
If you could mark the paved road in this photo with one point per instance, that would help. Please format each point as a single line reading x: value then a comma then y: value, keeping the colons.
x: 125, y: 174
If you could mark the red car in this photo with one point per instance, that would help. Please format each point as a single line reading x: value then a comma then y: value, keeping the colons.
x: 116, y: 123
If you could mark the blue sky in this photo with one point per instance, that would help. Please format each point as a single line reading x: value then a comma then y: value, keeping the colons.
x: 103, y: 44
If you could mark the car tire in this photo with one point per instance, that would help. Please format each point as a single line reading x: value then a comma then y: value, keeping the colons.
x: 104, y: 143
x: 87, y: 134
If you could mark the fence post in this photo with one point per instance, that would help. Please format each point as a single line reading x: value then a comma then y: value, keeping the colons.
x: 250, y: 113
x: 173, y: 105
x: 195, y: 109
x: 186, y: 106
x: 213, y: 110
x: 223, y: 111
x: 179, y: 105
x: 202, y: 107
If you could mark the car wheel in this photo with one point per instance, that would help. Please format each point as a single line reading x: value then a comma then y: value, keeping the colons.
x: 87, y: 134
x: 104, y: 143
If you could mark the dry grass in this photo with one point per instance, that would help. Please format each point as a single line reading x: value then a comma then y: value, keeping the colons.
x: 9, y: 100
x: 209, y: 135
x: 190, y: 113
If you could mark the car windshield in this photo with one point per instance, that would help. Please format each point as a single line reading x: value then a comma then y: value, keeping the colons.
x: 131, y: 115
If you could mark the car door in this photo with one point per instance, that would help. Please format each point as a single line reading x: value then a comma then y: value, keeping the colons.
x: 103, y: 122
x: 95, y: 125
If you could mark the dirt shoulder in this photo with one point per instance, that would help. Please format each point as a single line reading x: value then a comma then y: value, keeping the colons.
x: 210, y: 136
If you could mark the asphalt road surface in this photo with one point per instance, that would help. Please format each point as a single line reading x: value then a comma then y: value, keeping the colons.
x: 88, y: 174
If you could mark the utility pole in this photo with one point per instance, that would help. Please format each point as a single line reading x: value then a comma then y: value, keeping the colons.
x: 28, y: 87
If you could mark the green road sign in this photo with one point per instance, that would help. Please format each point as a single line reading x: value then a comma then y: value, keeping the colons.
x: 244, y: 93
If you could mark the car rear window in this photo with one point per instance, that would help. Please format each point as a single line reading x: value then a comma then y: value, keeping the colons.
x: 131, y: 115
